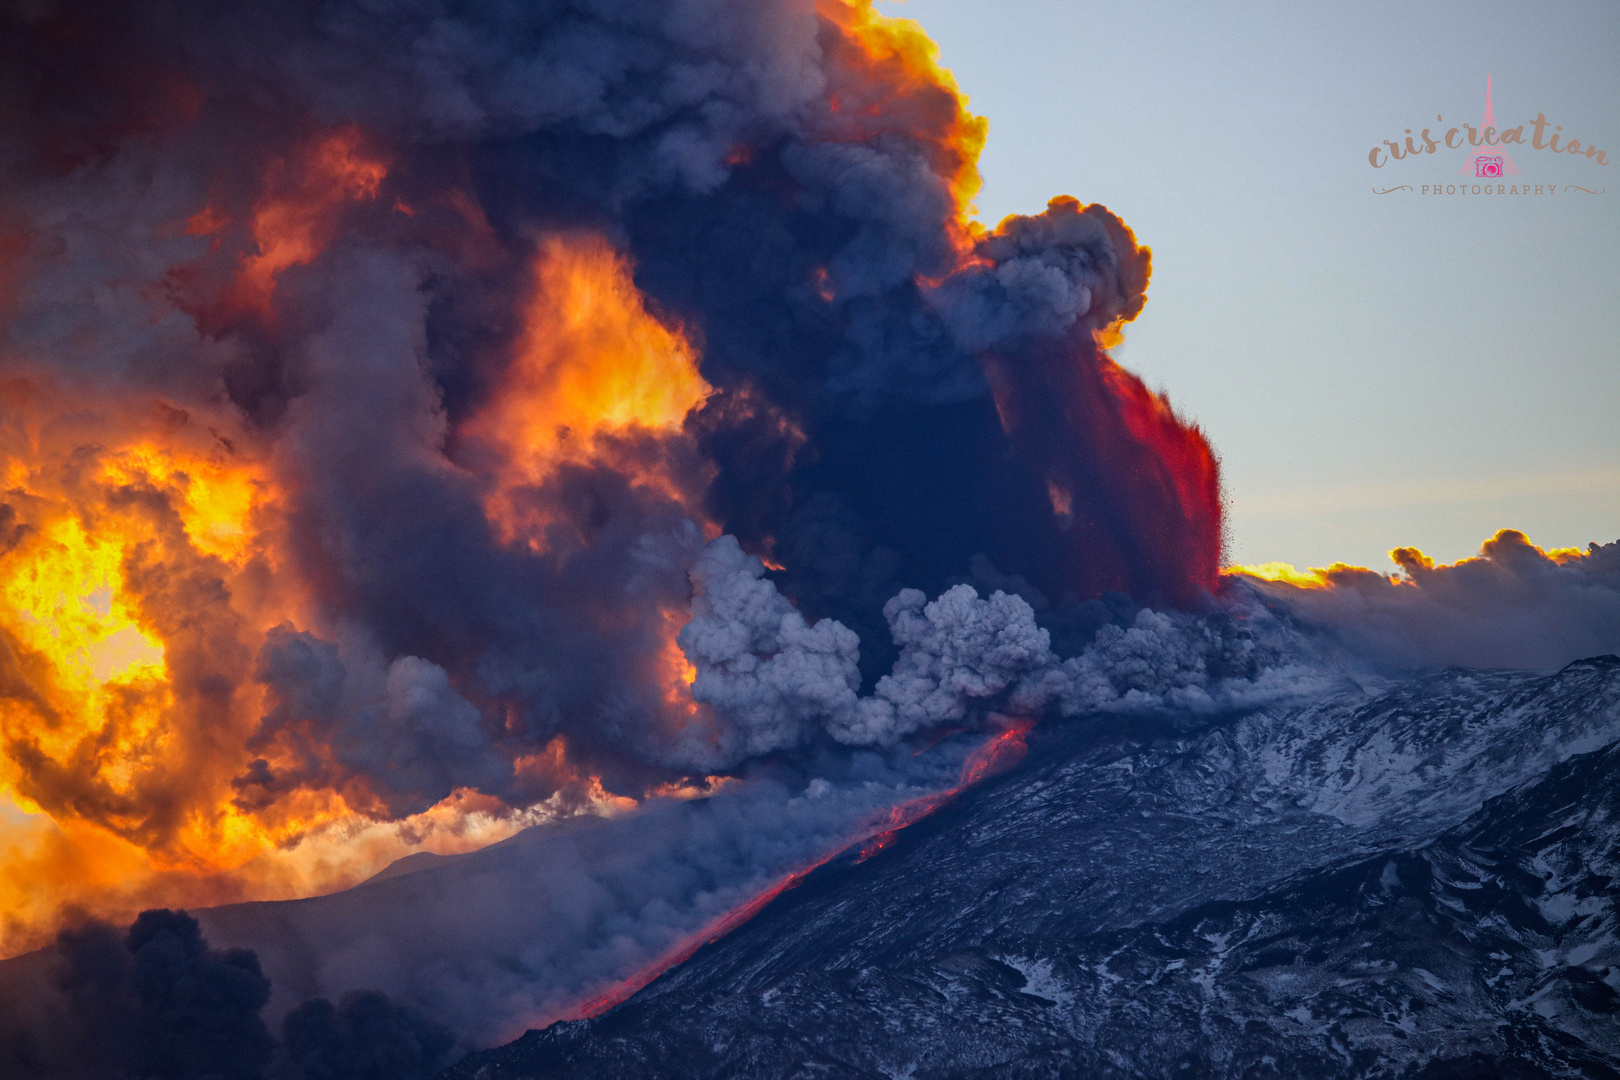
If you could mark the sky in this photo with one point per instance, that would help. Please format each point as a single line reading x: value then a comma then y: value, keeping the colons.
x: 1375, y: 370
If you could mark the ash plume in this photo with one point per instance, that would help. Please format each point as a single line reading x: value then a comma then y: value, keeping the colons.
x: 156, y: 1001
x: 393, y: 368
x: 423, y: 419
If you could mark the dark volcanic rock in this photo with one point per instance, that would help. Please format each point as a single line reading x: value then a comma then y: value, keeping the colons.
x: 1414, y: 882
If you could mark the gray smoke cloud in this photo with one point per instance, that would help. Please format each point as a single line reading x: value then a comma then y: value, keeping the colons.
x: 1513, y: 606
x: 698, y: 135
x: 680, y: 82
x: 400, y: 724
x: 437, y: 653
x: 1042, y: 276
x: 954, y: 652
x: 768, y: 674
x: 773, y: 679
x: 520, y: 932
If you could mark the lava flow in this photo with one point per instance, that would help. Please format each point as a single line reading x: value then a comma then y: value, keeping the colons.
x: 995, y: 755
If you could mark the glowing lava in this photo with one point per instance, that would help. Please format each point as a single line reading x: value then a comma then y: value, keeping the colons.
x: 997, y: 754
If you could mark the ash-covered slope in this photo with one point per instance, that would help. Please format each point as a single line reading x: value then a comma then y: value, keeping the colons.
x: 1414, y: 881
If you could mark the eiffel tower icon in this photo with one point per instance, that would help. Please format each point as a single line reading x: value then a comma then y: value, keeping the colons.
x: 1488, y: 152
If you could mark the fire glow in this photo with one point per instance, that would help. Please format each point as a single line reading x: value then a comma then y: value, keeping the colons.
x: 349, y: 511
x: 592, y: 364
x: 1413, y: 564
x: 996, y: 755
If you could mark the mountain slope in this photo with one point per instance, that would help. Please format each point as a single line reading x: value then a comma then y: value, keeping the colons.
x: 1414, y: 881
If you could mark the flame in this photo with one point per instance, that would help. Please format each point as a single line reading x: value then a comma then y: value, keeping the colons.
x: 674, y: 675
x: 216, y: 499
x: 550, y: 769
x: 138, y: 575
x: 106, y: 731
x: 592, y: 364
x: 141, y: 565
x: 691, y: 788
x: 96, y: 652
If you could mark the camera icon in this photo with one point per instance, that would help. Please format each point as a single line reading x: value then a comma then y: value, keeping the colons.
x: 1488, y: 166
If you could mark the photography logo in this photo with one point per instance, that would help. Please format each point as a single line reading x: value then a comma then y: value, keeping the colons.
x: 1488, y: 168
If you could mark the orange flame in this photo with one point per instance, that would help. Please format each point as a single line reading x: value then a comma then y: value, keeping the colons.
x: 593, y: 366
x: 138, y: 576
x: 141, y: 565
x: 129, y: 664
x: 139, y: 573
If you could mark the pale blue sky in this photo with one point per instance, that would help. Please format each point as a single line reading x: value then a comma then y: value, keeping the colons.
x: 1375, y: 370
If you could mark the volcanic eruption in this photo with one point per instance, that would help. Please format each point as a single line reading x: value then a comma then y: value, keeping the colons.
x: 374, y: 377
x: 592, y: 448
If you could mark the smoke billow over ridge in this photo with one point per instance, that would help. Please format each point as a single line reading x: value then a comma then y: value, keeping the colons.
x: 158, y: 1002
x: 1513, y: 605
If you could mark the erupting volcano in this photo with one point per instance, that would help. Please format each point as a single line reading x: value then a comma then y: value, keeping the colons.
x: 373, y: 380
x: 532, y: 484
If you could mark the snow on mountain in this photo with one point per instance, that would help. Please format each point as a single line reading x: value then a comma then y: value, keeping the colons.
x: 1409, y: 879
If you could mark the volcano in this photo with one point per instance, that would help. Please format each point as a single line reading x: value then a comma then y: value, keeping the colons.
x: 1403, y: 880
x: 559, y: 515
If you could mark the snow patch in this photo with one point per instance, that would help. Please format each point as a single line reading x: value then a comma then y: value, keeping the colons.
x: 1039, y: 980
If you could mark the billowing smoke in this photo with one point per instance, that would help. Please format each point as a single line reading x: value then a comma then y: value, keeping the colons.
x: 422, y: 419
x: 363, y: 1037
x: 538, y: 927
x: 157, y: 1002
x: 378, y: 379
x: 1512, y: 606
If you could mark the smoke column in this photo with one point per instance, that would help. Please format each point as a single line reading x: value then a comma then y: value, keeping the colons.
x: 424, y: 419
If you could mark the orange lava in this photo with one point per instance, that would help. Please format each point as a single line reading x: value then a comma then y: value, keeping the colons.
x: 996, y: 755
x: 682, y: 952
